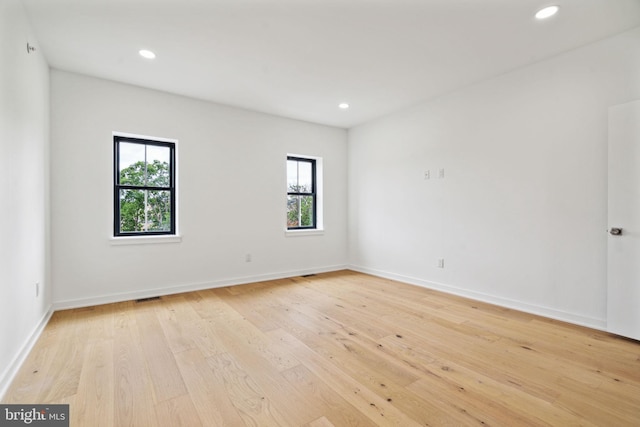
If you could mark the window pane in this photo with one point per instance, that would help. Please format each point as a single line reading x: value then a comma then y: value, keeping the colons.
x: 299, y: 211
x: 131, y: 163
x: 292, y: 175
x: 304, y: 177
x: 131, y: 210
x: 306, y: 211
x: 158, y: 210
x: 292, y: 211
x: 158, y: 166
x: 145, y: 210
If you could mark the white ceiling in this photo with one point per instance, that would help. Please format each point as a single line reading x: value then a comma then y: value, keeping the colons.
x: 300, y: 58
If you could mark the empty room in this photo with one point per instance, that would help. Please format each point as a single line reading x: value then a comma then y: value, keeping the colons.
x: 320, y: 213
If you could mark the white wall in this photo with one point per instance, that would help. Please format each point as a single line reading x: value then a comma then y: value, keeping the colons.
x: 232, y: 193
x: 521, y: 214
x: 24, y: 170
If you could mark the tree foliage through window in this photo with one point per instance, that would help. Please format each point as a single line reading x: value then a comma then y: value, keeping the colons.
x: 299, y: 208
x: 145, y: 210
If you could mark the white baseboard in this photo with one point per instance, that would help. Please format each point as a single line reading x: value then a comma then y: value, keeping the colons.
x: 577, y: 319
x: 128, y: 296
x: 10, y: 372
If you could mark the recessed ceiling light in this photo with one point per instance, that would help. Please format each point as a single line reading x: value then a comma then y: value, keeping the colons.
x: 547, y: 12
x: 343, y: 105
x: 147, y: 54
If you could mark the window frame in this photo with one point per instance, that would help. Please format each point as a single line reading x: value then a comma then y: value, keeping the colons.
x: 313, y: 193
x: 146, y: 141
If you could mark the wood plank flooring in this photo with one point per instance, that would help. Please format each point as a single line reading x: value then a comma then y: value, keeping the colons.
x: 336, y: 349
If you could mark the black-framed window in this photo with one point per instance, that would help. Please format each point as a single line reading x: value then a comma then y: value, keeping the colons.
x: 144, y: 187
x: 301, y: 193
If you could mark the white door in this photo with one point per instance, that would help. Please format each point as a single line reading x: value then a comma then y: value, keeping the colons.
x: 623, y: 262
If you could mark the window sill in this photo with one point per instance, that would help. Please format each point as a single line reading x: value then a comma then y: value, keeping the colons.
x: 144, y: 240
x: 297, y: 233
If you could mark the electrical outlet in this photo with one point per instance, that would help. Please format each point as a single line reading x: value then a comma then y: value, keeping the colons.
x: 427, y: 175
x: 440, y: 263
x: 247, y: 258
x: 37, y: 288
x: 441, y: 173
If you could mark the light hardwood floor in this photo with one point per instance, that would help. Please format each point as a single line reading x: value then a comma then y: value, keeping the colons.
x: 336, y: 349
